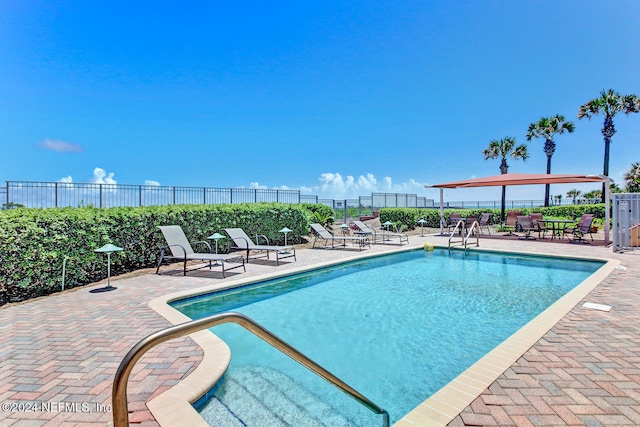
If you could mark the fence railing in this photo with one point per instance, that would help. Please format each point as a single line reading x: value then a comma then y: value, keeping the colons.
x: 62, y: 194
x: 513, y: 204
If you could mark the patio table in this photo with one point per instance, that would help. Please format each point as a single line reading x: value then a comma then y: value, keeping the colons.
x: 557, y: 225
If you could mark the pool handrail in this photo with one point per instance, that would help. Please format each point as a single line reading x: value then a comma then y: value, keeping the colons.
x: 458, y: 229
x: 474, y: 226
x: 119, y: 390
x: 461, y: 229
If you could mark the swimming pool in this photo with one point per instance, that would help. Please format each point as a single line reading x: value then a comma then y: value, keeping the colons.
x: 397, y: 328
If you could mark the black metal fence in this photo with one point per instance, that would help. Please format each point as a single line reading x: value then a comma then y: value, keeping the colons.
x: 62, y: 194
x: 514, y: 204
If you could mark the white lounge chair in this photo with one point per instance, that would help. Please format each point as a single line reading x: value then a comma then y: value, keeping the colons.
x: 320, y: 232
x: 240, y: 240
x: 383, y: 236
x: 179, y: 248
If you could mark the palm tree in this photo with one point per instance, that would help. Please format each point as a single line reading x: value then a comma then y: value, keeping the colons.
x: 593, y: 194
x: 506, y: 147
x: 574, y: 194
x: 614, y: 188
x: 632, y: 178
x: 546, y: 128
x: 609, y: 104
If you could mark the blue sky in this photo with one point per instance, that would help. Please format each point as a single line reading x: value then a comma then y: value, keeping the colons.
x: 335, y: 98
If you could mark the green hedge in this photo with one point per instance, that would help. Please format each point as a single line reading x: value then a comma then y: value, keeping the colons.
x: 34, y: 242
x: 409, y: 217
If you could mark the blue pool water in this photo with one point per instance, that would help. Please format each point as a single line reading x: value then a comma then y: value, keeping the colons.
x: 397, y: 328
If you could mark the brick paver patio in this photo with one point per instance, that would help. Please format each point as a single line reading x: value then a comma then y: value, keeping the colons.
x: 62, y: 351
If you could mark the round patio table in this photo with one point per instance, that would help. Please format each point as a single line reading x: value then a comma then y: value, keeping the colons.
x: 557, y: 225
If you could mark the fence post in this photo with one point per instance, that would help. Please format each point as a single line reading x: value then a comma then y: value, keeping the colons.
x: 139, y: 195
x: 174, y: 195
x: 56, y: 198
x: 345, y: 211
x: 100, y: 195
x: 204, y: 195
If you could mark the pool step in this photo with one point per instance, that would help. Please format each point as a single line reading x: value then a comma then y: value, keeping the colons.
x: 257, y: 397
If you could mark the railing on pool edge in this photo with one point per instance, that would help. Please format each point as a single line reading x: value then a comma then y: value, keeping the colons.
x: 119, y: 391
x: 461, y: 228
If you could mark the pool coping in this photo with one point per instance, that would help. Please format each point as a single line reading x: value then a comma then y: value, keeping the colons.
x: 174, y: 406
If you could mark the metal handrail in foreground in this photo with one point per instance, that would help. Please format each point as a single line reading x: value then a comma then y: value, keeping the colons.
x: 119, y: 392
x: 475, y: 226
x: 462, y: 229
x: 458, y: 229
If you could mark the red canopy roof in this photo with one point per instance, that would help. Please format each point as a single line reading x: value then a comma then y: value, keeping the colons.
x: 521, y: 179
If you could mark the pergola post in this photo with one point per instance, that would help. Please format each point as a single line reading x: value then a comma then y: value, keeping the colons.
x: 441, y: 210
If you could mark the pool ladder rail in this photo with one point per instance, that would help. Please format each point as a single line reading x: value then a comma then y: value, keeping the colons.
x: 460, y: 229
x: 119, y: 391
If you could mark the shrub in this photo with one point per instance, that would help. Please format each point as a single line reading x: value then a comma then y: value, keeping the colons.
x: 409, y: 217
x: 34, y: 242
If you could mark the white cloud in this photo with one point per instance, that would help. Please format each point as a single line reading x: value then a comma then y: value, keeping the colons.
x: 100, y: 176
x: 67, y: 180
x: 60, y: 146
x: 258, y: 186
x: 333, y: 185
x: 151, y: 183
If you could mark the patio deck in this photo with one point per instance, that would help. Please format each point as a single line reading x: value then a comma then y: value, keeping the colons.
x: 62, y: 350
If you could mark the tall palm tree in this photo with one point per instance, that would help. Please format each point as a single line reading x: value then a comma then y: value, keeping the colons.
x: 546, y: 128
x: 609, y: 104
x: 503, y: 148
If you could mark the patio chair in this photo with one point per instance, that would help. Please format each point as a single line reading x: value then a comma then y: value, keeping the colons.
x: 240, y: 241
x: 383, y: 236
x: 179, y: 248
x: 525, y: 225
x: 454, y: 218
x: 484, y: 223
x: 539, y: 225
x: 510, y: 223
x: 322, y: 233
x: 581, y: 229
x: 468, y: 222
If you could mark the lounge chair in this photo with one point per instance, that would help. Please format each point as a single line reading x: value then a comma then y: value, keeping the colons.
x: 240, y: 241
x: 322, y: 233
x: 179, y: 248
x: 382, y: 236
x: 525, y: 225
x: 510, y: 223
x: 582, y: 228
x: 484, y: 223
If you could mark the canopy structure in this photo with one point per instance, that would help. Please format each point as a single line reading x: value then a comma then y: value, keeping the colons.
x: 528, y: 179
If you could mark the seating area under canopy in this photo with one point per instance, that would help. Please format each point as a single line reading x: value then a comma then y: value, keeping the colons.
x: 509, y: 179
